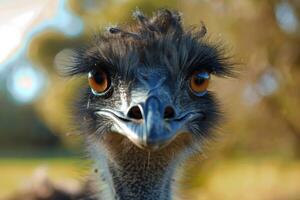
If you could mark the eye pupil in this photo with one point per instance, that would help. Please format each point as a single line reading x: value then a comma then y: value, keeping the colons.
x: 199, y: 80
x: 99, y: 77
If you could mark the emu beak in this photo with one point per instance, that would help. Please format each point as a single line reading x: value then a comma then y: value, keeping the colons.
x: 158, y: 124
x: 157, y: 129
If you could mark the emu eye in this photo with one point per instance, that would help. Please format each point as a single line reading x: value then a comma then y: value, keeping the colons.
x: 99, y: 81
x: 199, y: 82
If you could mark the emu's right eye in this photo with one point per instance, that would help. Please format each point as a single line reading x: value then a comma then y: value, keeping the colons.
x: 98, y: 81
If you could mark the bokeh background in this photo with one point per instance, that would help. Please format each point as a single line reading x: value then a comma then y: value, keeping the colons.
x: 257, y: 153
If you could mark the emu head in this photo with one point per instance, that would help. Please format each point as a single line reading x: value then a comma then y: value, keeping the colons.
x: 147, y: 83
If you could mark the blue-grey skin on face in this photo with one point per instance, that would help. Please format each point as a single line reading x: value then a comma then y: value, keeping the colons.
x: 154, y: 116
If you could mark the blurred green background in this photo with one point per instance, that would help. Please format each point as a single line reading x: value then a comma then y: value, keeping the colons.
x: 256, y: 155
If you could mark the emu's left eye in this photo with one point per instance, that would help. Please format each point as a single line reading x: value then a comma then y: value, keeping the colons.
x: 99, y: 81
x: 199, y: 82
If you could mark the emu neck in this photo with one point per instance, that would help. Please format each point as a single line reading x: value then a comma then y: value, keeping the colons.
x: 132, y: 173
x: 139, y: 177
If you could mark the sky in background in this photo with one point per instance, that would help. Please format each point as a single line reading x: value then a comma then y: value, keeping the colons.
x: 20, y: 21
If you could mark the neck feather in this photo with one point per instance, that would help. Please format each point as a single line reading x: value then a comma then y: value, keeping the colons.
x: 125, y: 172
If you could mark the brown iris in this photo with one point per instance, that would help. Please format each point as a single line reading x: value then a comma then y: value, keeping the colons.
x: 98, y: 81
x: 199, y: 82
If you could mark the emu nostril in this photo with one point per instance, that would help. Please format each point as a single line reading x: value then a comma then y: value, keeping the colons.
x: 169, y: 113
x: 135, y: 113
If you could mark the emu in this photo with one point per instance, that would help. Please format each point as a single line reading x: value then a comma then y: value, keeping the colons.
x: 146, y: 106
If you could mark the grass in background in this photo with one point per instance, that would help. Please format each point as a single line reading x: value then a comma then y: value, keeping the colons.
x: 16, y: 172
x: 244, y: 178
